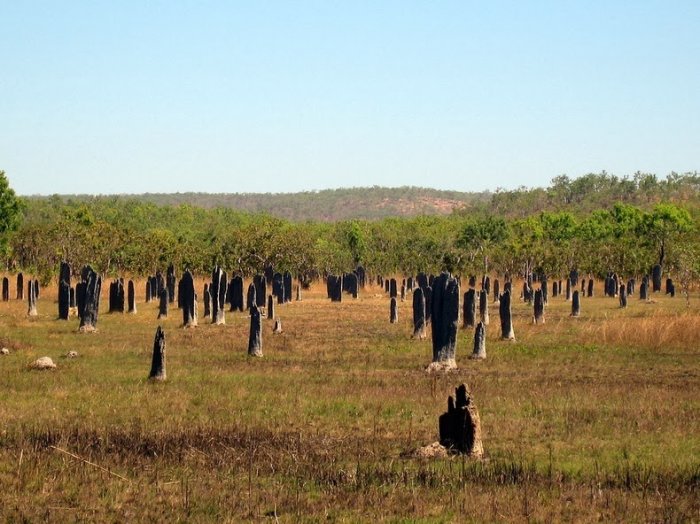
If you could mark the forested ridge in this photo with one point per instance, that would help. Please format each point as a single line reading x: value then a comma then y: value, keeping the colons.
x: 328, y: 205
x: 596, y: 223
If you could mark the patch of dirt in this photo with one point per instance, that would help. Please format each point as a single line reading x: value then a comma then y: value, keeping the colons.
x: 404, y: 206
x: 11, y: 344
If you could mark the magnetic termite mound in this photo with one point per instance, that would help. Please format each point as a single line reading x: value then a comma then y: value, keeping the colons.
x: 507, y: 332
x: 270, y: 307
x: 484, y: 307
x: 158, y: 361
x: 418, y: 314
x: 163, y: 304
x: 235, y: 294
x: 623, y: 297
x: 469, y: 309
x: 255, y: 334
x: 63, y: 291
x: 188, y: 300
x: 479, y: 352
x: 575, y: 304
x: 460, y: 426
x: 445, y: 314
x: 217, y: 291
x: 334, y: 287
x: 88, y: 299
x: 206, y: 297
x: 20, y: 286
x: 31, y: 298
x: 131, y: 297
x: 538, y: 307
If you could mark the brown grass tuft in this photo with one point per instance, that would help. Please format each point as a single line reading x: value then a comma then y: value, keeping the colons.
x: 659, y: 330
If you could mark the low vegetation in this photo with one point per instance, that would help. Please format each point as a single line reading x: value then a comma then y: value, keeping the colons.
x: 586, y: 419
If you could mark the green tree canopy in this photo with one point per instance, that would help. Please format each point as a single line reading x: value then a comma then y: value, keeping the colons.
x: 11, y: 209
x: 663, y: 224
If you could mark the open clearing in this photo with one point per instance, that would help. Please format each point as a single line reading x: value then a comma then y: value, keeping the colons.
x: 584, y: 419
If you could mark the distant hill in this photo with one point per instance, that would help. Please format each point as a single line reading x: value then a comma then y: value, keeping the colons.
x: 579, y: 196
x: 326, y: 205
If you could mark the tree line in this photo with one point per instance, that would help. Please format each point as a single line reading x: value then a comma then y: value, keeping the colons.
x: 119, y: 235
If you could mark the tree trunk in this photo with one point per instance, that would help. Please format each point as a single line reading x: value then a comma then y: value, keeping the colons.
x: 171, y: 279
x: 656, y: 278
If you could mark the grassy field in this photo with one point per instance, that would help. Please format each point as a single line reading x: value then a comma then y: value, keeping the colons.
x: 584, y: 419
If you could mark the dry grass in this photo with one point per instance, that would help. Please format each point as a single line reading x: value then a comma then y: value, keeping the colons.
x: 593, y: 418
x: 660, y: 330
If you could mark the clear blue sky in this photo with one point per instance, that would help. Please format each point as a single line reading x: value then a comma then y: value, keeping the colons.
x: 267, y: 96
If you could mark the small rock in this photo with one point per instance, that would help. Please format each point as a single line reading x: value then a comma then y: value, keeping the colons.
x: 72, y: 354
x: 43, y: 363
x: 4, y: 351
x: 434, y: 450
